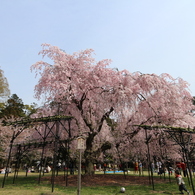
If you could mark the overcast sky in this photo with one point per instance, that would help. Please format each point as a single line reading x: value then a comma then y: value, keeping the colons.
x: 150, y: 36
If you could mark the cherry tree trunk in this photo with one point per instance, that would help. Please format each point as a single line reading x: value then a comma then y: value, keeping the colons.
x: 89, y: 168
x: 89, y: 154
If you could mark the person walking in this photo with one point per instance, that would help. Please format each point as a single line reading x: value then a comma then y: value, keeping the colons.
x: 180, y: 182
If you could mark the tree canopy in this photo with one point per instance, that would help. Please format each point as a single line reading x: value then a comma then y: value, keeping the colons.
x: 93, y: 93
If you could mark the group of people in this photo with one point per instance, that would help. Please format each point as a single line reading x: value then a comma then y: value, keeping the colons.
x: 179, y: 169
x: 169, y: 167
x: 158, y: 167
x: 39, y: 168
x: 3, y: 170
x: 138, y: 167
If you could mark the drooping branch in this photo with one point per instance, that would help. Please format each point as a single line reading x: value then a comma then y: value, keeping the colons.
x: 147, y: 103
x: 104, y: 117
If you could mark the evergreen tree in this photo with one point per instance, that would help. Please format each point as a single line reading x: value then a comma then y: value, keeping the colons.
x: 14, y: 107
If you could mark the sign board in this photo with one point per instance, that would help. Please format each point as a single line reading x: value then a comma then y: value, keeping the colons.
x: 80, y: 143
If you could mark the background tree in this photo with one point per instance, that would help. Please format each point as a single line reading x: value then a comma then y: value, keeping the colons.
x: 4, y: 87
x: 15, y: 108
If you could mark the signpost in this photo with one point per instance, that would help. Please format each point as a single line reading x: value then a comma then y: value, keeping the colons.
x: 80, y: 146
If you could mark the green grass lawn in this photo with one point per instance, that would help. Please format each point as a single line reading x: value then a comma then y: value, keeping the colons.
x: 29, y: 186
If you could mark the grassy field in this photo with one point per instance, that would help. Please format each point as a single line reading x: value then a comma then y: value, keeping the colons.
x: 29, y: 186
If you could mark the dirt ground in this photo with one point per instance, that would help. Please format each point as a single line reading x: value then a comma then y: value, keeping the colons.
x: 104, y: 180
